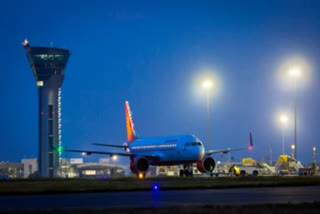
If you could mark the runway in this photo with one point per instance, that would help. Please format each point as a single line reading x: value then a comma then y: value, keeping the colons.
x: 145, y: 199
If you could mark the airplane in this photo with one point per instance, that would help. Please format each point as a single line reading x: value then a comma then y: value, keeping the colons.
x: 165, y: 150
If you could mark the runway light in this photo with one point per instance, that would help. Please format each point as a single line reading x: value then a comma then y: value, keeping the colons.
x: 155, y: 187
x: 140, y: 175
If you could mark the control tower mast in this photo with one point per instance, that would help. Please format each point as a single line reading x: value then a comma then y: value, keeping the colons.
x: 48, y: 65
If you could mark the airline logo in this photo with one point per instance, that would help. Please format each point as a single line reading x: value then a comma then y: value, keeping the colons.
x: 129, y: 122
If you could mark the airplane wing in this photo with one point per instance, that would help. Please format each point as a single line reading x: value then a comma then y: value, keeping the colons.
x: 110, y: 145
x: 210, y: 152
x: 98, y: 152
x: 148, y: 157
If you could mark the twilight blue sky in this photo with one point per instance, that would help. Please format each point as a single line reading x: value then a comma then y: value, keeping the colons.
x: 153, y: 53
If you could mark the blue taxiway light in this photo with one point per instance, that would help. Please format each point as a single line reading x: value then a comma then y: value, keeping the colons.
x: 155, y: 187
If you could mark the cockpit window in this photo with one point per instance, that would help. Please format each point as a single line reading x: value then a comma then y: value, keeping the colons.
x: 193, y: 144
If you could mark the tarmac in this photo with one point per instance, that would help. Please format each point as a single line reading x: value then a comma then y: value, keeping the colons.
x: 162, y: 198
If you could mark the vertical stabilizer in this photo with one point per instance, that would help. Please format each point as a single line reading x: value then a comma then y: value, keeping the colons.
x: 250, y: 142
x: 131, y: 134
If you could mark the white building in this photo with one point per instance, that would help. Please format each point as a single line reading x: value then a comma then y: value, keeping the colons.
x: 29, y: 166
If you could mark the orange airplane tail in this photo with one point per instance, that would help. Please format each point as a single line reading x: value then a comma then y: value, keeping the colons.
x: 131, y: 134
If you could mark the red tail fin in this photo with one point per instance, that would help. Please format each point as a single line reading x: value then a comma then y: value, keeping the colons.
x: 250, y: 142
x: 131, y: 134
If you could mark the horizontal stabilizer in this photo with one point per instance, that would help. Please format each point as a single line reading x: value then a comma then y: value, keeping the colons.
x: 110, y: 145
x: 97, y: 152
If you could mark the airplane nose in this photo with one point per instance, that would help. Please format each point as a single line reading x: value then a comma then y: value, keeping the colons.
x: 200, y: 152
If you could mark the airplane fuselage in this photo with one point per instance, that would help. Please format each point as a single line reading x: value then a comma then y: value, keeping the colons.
x: 170, y: 150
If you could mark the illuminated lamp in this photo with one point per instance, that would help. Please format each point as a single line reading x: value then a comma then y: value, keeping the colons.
x: 59, y: 150
x: 155, y: 187
x: 140, y: 175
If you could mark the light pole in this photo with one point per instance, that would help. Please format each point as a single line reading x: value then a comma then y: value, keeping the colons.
x: 283, y: 120
x: 292, y: 147
x: 314, y: 165
x: 295, y: 73
x: 270, y: 156
x: 207, y: 85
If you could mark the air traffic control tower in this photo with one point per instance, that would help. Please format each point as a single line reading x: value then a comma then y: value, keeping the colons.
x: 48, y: 65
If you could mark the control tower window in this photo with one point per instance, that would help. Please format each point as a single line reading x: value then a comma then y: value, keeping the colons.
x: 193, y: 144
x: 41, y: 58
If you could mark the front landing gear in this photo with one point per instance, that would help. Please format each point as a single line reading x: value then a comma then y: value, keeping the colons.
x: 186, y: 171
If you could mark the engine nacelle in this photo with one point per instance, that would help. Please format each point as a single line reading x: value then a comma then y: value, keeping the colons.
x: 207, y: 164
x: 139, y: 164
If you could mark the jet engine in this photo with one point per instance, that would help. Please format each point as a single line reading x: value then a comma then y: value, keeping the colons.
x: 207, y: 164
x: 139, y: 165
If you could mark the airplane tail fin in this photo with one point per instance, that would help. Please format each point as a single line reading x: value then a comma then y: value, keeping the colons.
x: 250, y: 142
x: 131, y: 134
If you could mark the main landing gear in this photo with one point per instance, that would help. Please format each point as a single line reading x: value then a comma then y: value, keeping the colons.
x: 186, y: 171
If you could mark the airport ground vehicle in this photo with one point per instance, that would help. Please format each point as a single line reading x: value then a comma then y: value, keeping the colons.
x: 305, y: 171
x: 177, y: 170
x: 287, y: 165
x: 313, y: 170
x: 251, y: 167
x: 252, y: 170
